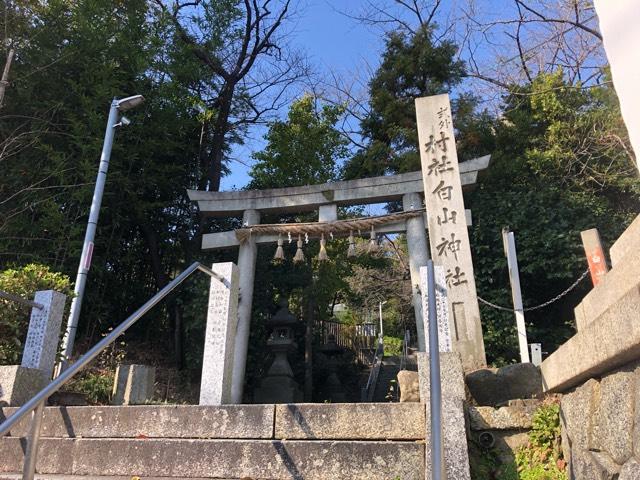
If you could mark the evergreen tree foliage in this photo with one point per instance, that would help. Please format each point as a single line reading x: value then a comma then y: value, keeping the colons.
x: 412, y: 66
x: 73, y: 59
x: 303, y: 150
x: 561, y: 166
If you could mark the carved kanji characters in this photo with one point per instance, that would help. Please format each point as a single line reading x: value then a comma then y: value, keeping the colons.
x: 430, y: 146
x: 447, y: 216
x: 444, y: 119
x: 442, y: 143
x: 447, y: 246
x: 455, y: 278
x: 440, y: 166
x: 433, y: 144
x: 443, y: 191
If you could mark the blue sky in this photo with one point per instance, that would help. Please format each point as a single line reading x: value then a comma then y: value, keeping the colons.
x: 336, y: 42
x: 333, y: 41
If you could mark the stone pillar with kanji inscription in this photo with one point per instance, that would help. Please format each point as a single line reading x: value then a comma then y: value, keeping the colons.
x: 448, y: 236
x: 43, y: 335
x: 220, y: 337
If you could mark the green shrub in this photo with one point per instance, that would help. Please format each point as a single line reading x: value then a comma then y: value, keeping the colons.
x: 14, y: 318
x: 392, y: 346
x: 542, y: 459
x: 97, y: 385
x: 96, y: 380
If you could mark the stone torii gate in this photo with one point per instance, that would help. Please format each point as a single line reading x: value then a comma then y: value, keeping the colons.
x: 325, y: 199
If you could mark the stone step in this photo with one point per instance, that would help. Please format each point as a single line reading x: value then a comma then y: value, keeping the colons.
x: 614, y: 285
x: 346, y: 421
x: 388, y: 372
x: 53, y: 476
x: 175, y: 421
x: 221, y: 459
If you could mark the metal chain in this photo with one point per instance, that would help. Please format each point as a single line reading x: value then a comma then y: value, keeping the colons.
x: 542, y: 305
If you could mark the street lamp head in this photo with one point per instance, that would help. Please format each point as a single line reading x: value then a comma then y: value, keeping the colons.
x: 128, y: 103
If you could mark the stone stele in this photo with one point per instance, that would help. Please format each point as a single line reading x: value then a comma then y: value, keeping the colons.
x: 454, y: 435
x: 43, y: 335
x: 220, y: 336
x: 442, y: 308
x: 133, y: 385
x: 448, y: 236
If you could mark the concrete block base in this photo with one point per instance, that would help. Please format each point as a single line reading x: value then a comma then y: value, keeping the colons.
x: 456, y: 455
x: 18, y: 384
x: 322, y: 460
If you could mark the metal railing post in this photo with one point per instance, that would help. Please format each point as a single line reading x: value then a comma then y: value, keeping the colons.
x: 31, y: 455
x: 368, y: 390
x: 437, y: 457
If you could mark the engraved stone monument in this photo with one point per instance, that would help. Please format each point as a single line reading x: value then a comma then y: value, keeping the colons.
x: 222, y: 320
x: 18, y: 383
x: 44, y: 332
x: 448, y: 236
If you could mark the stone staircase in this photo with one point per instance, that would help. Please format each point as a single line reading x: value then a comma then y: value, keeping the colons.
x: 297, y: 441
x: 389, y: 369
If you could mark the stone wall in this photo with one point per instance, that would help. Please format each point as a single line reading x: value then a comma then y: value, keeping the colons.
x: 508, y: 427
x: 601, y: 426
x: 598, y: 373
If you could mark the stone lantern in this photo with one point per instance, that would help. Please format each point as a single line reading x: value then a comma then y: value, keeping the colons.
x: 279, y: 386
x: 333, y: 388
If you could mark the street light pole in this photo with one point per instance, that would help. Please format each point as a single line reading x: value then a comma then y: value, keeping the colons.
x: 115, y: 120
x: 380, y: 311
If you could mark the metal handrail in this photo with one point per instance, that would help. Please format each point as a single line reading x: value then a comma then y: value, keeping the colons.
x: 367, y: 391
x: 405, y: 350
x: 18, y: 299
x: 437, y: 457
x: 36, y: 403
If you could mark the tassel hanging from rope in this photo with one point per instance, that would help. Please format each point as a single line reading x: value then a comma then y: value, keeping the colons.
x: 299, y: 256
x: 322, y: 255
x: 373, y: 241
x: 279, y: 255
x: 351, y: 251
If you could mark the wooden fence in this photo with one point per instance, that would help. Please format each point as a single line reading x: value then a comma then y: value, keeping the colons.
x: 361, y: 339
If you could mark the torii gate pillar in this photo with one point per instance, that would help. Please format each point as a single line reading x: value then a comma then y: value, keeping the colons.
x: 418, y: 256
x: 247, y: 268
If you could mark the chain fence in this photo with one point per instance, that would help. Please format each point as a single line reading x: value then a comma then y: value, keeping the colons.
x: 542, y: 305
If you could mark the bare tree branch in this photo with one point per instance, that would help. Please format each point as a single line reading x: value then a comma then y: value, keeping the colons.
x: 575, y: 23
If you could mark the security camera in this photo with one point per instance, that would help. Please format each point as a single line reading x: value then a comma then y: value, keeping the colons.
x: 125, y: 121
